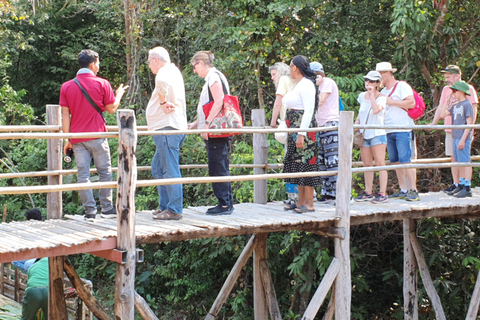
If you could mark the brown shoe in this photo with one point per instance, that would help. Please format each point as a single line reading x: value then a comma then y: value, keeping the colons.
x: 167, y: 215
x: 158, y: 211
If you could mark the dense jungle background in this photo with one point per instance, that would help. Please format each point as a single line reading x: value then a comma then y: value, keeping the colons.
x: 40, y: 41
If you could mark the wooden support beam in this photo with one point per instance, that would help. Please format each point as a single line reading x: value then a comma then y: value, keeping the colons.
x: 427, y: 279
x: 112, y: 255
x: 90, y: 301
x: 475, y: 301
x: 260, y: 156
x: 2, y: 265
x: 143, y: 308
x: 126, y: 177
x: 322, y: 291
x: 259, y: 301
x: 331, y: 307
x: 339, y: 233
x: 410, y: 273
x: 232, y: 278
x: 270, y: 294
x: 343, y: 283
x: 57, y: 309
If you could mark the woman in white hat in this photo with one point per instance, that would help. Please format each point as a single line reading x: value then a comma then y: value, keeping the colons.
x: 372, y: 112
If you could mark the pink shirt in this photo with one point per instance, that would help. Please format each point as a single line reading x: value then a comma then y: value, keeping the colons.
x: 84, y: 117
x: 329, y: 110
x: 446, y: 93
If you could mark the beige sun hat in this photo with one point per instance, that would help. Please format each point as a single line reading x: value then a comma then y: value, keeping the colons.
x: 385, y: 66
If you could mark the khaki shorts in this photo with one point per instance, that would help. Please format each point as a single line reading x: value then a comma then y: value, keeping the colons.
x: 448, y: 144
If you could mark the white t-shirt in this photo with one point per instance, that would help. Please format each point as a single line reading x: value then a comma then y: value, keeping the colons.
x: 396, y: 115
x: 169, y: 83
x: 212, y: 76
x: 330, y: 109
x: 373, y: 119
x: 302, y: 97
x: 285, y: 84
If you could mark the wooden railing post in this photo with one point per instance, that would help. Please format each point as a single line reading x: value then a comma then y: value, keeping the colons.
x: 57, y: 309
x: 260, y: 156
x: 126, y: 177
x: 54, y: 162
x: 343, y: 283
x: 259, y: 299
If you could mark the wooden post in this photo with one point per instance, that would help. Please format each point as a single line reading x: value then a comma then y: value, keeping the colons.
x: 475, y: 301
x: 343, y: 283
x: 57, y: 309
x: 426, y: 278
x: 260, y: 156
x: 231, y: 279
x: 2, y: 265
x: 54, y: 162
x: 126, y: 177
x: 410, y: 273
x: 259, y: 301
x: 143, y: 308
x: 270, y: 294
x: 83, y: 292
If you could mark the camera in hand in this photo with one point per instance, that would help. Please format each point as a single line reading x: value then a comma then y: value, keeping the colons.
x: 68, y: 157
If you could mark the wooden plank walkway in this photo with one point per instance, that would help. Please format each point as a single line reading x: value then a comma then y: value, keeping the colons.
x: 73, y: 235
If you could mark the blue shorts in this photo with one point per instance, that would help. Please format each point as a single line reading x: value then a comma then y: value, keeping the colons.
x: 464, y: 154
x: 399, y: 147
x: 368, y: 143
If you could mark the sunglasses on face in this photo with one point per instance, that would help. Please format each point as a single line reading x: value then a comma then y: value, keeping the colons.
x: 372, y: 81
x: 193, y: 65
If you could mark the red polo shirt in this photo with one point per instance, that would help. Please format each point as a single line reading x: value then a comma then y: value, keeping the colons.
x: 84, y: 117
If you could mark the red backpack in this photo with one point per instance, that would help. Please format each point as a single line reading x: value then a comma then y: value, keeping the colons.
x: 417, y: 111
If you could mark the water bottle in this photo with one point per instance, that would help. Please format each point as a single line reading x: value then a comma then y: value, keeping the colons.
x: 68, y: 157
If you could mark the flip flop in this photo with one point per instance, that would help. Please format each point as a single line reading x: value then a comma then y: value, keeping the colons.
x: 290, y: 207
x: 303, y: 209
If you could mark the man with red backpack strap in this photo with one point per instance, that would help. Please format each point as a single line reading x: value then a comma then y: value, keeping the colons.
x: 453, y: 74
x: 399, y: 100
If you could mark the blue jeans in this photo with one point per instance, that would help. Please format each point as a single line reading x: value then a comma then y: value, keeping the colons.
x: 399, y: 147
x: 218, y: 165
x: 166, y: 164
x: 99, y: 151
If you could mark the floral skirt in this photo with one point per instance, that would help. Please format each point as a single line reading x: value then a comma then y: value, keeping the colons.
x: 301, y: 160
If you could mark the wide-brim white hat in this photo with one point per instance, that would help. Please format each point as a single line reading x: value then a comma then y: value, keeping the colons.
x: 385, y: 66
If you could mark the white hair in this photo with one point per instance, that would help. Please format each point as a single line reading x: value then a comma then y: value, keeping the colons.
x: 160, y: 53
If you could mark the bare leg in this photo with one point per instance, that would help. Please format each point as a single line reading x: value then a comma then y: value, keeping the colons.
x: 455, y: 173
x: 401, y: 178
x: 379, y: 156
x: 412, y: 177
x: 367, y: 159
x: 301, y: 196
x: 309, y: 197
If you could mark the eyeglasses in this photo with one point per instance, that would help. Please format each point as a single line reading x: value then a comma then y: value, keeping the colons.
x: 373, y: 81
x: 193, y: 65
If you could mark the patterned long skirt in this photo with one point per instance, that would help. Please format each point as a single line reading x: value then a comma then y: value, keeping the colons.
x: 301, y: 160
x: 328, y: 158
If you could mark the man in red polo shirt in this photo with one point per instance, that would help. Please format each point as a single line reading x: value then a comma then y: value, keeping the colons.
x: 79, y: 115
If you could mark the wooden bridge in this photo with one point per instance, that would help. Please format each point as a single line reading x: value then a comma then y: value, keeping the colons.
x: 116, y: 239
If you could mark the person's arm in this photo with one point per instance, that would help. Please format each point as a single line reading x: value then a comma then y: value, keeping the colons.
x: 323, y: 97
x: 66, y: 128
x: 276, y: 110
x: 112, y: 107
x: 466, y: 132
x: 377, y: 107
x: 217, y: 95
x: 308, y: 100
x: 407, y: 103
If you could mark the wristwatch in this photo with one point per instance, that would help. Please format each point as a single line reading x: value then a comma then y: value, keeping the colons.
x: 207, y: 122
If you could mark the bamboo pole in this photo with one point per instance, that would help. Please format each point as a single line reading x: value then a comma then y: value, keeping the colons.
x: 143, y: 308
x: 127, y: 176
x: 410, y: 273
x: 426, y: 278
x: 231, y: 279
x: 343, y: 283
x: 260, y: 156
x: 322, y: 290
x: 90, y: 301
x: 475, y: 301
x: 259, y: 301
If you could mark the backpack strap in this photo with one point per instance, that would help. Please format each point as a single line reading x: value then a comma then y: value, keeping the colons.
x: 89, y: 99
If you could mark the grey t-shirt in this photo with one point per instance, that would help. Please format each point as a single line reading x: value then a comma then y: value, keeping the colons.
x: 460, y: 112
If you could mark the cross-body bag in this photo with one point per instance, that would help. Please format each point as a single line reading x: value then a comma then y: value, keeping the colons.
x: 417, y: 111
x: 89, y: 99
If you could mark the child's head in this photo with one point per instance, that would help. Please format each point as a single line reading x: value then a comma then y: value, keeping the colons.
x: 460, y: 90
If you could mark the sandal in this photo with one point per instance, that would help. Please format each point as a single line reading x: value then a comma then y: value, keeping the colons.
x: 290, y: 207
x: 167, y: 215
x: 303, y: 209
